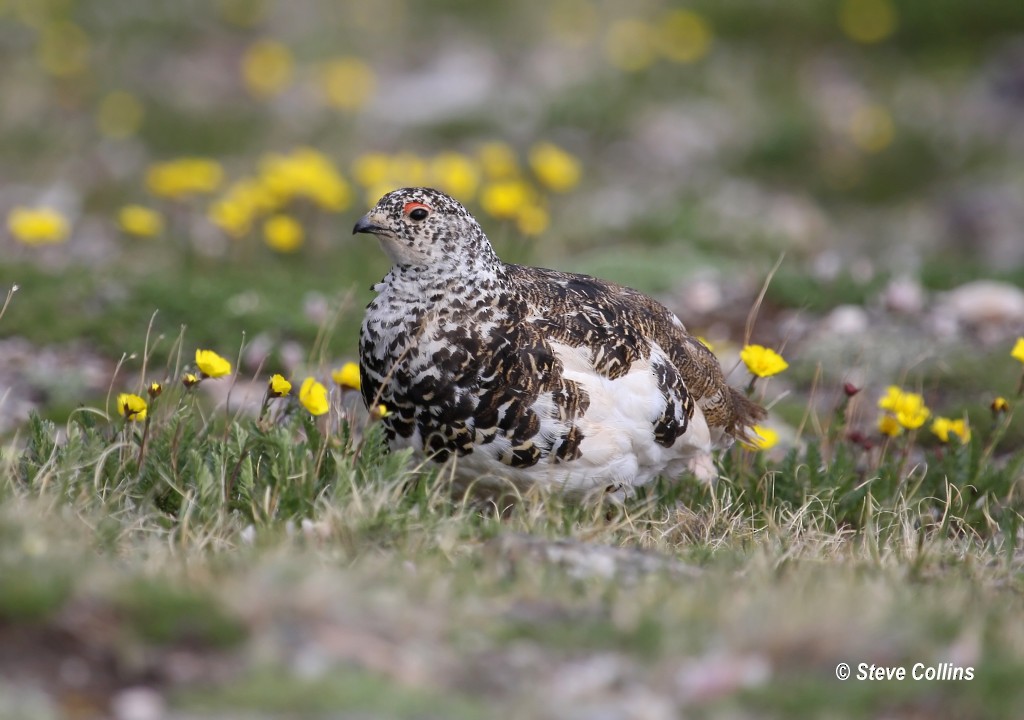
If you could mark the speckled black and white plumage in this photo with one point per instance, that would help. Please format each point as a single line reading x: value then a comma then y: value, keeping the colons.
x: 532, y: 375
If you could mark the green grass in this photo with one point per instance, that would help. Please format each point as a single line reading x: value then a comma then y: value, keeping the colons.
x: 315, y: 572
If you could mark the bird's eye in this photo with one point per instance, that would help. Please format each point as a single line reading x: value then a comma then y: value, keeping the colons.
x: 416, y: 211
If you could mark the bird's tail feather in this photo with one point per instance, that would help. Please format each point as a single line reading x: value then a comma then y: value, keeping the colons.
x: 745, y: 414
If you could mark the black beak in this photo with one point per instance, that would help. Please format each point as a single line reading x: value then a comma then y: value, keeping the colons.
x: 363, y: 225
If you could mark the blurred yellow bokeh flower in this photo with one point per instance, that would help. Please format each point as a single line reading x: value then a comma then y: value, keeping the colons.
x: 943, y: 427
x: 908, y: 408
x: 872, y: 128
x: 347, y: 376
x: 867, y: 21
x: 532, y: 220
x: 498, y: 160
x: 313, y: 396
x: 347, y: 83
x: 183, y: 177
x: 283, y: 233
x: 131, y: 407
x: 37, y: 226
x: 380, y: 411
x: 371, y: 169
x: 1017, y: 353
x: 504, y: 199
x: 456, y: 174
x: 266, y: 68
x: 305, y: 174
x: 211, y: 364
x: 140, y: 221
x: 630, y: 44
x: 762, y: 361
x: 683, y: 36
x: 63, y: 49
x: 119, y: 114
x: 279, y: 386
x: 244, y: 201
x: 554, y: 167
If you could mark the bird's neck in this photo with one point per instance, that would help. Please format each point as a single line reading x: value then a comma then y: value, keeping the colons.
x: 424, y: 280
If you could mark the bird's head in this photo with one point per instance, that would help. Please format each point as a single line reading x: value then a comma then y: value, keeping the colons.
x: 425, y: 228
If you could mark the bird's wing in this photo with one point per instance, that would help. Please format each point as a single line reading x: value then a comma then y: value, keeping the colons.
x: 621, y: 326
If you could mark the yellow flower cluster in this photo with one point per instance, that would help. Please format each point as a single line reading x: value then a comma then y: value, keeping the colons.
x: 943, y: 427
x: 184, y: 177
x: 303, y: 175
x: 903, y: 411
x: 492, y: 176
x: 37, y: 226
x: 680, y: 36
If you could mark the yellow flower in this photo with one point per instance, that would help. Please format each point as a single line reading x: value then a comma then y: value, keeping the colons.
x: 279, y: 387
x: 283, y: 233
x: 407, y: 169
x: 943, y: 426
x: 630, y: 44
x: 211, y: 364
x: 189, y: 380
x: 266, y: 68
x: 119, y: 114
x: 347, y: 376
x: 140, y: 221
x: 347, y: 83
x: 313, y: 396
x: 532, y: 220
x: 683, y: 36
x: 1000, y: 405
x: 763, y: 438
x: 1018, y: 350
x: 554, y: 167
x: 380, y: 411
x: 131, y: 407
x: 504, y: 199
x: 155, y: 389
x: 867, y: 21
x: 887, y: 425
x: 180, y: 178
x: 305, y: 173
x: 498, y: 160
x: 245, y: 200
x: 456, y: 174
x: 871, y: 128
x: 371, y: 169
x: 63, y: 49
x: 908, y: 408
x: 762, y: 361
x: 37, y: 226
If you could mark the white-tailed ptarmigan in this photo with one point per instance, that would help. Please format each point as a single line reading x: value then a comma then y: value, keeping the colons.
x: 532, y: 375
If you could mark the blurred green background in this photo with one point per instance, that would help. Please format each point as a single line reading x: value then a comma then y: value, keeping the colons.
x: 207, y: 158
